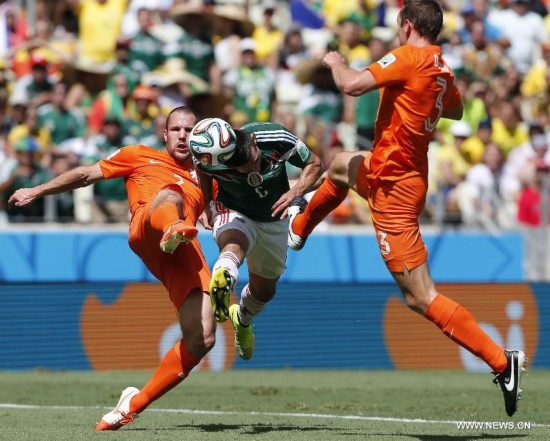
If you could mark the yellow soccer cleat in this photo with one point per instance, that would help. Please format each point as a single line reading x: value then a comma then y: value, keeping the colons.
x: 221, y: 286
x: 244, y: 335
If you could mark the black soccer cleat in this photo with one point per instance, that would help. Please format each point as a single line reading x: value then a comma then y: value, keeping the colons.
x: 510, y: 378
x: 297, y: 205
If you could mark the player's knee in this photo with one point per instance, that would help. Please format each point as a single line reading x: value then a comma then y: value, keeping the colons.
x: 209, y: 340
x: 416, y: 301
x: 200, y: 344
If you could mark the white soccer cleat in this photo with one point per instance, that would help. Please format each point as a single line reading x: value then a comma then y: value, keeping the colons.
x: 297, y: 206
x: 120, y: 415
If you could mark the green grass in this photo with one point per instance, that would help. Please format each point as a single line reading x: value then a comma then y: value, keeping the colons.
x: 250, y: 405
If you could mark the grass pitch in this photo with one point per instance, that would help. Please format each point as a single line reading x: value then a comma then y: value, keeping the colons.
x: 277, y: 405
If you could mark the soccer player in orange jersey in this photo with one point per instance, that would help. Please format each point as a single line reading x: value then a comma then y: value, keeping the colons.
x: 165, y: 203
x: 416, y: 91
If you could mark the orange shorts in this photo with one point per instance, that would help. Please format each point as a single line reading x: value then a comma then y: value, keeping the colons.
x: 395, y: 209
x: 181, y: 272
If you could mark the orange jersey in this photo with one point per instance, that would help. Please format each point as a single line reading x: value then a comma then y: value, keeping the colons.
x: 416, y: 86
x: 146, y: 170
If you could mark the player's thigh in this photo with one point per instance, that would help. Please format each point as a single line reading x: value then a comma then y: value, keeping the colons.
x: 267, y: 258
x: 395, y: 209
x: 344, y: 167
x: 232, y: 226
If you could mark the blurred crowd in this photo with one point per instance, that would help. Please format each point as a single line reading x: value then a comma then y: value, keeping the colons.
x: 81, y: 78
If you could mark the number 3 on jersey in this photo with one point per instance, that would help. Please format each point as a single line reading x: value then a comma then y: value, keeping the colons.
x: 429, y: 125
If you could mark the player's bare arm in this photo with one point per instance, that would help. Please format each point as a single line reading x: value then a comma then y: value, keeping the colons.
x: 70, y: 180
x: 306, y: 182
x: 349, y: 81
x: 207, y: 188
x: 454, y: 112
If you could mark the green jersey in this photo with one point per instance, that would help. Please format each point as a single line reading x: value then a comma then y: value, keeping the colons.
x: 253, y: 194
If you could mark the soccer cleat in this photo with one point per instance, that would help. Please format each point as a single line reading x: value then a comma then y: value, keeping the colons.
x: 120, y: 415
x: 221, y: 286
x: 297, y: 205
x: 510, y: 378
x: 244, y: 336
x: 178, y: 232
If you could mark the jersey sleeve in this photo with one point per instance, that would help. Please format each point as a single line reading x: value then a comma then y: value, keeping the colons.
x: 394, y: 68
x: 301, y: 154
x: 293, y: 149
x: 120, y: 163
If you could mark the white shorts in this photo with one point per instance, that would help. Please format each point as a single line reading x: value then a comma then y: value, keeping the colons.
x: 267, y: 241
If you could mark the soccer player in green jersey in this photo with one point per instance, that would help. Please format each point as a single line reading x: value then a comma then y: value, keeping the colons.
x: 248, y: 216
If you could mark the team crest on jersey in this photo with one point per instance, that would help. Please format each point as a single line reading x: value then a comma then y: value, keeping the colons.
x: 254, y: 179
x: 386, y: 60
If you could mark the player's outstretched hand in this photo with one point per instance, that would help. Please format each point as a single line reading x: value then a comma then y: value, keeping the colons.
x: 22, y: 197
x: 206, y: 218
x: 280, y: 208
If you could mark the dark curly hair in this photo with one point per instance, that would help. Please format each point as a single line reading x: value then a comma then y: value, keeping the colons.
x: 243, y: 149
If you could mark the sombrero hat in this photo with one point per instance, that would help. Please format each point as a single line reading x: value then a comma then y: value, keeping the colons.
x: 181, y: 13
x: 306, y: 69
x: 312, y: 71
x: 174, y: 71
x: 236, y: 14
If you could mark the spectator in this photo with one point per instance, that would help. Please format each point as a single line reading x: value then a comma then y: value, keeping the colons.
x: 288, y: 89
x: 479, y: 10
x: 229, y: 27
x: 536, y: 90
x: 145, y: 49
x: 196, y: 49
x: 156, y: 140
x: 321, y: 103
x: 367, y: 104
x: 483, y: 60
x: 508, y: 129
x: 141, y: 119
x: 26, y: 172
x: 452, y: 168
x: 60, y: 122
x: 174, y: 84
x: 474, y: 147
x: 122, y: 66
x: 525, y: 31
x: 250, y: 88
x: 44, y: 45
x: 110, y: 197
x: 267, y: 36
x: 38, y: 138
x: 36, y: 86
x: 99, y: 26
x: 115, y: 103
x: 481, y: 196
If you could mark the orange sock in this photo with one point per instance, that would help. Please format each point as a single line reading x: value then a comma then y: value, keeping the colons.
x: 173, y: 368
x: 459, y: 325
x: 164, y: 214
x: 327, y: 197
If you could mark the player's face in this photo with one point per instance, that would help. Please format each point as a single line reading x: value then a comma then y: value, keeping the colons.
x: 176, y: 136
